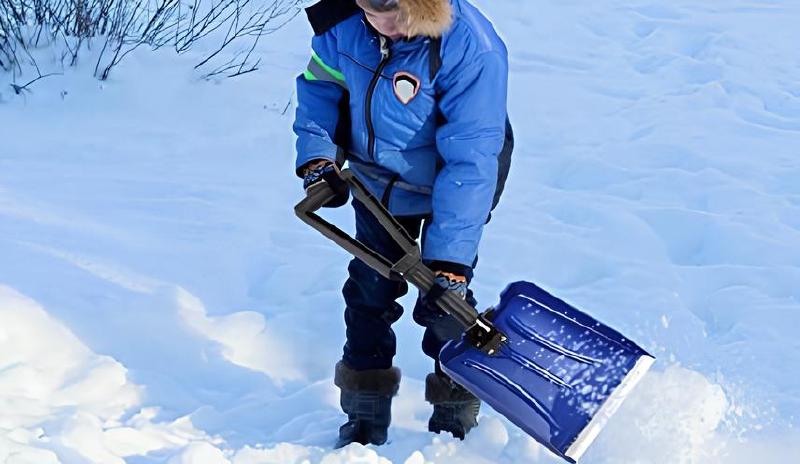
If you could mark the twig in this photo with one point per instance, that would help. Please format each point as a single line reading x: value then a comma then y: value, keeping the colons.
x: 18, y: 89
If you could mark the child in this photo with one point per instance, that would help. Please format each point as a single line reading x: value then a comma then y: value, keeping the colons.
x: 413, y: 94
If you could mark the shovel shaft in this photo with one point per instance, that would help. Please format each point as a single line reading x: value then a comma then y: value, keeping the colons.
x: 410, y: 267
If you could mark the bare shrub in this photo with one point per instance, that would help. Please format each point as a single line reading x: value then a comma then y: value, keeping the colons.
x: 118, y: 27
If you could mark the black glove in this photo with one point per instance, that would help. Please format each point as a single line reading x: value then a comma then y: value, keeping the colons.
x: 325, y: 171
x: 449, y: 276
x: 453, y: 282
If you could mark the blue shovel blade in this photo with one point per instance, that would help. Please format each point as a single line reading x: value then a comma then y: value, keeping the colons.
x: 560, y: 375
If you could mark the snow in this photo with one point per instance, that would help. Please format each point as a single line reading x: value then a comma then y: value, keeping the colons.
x: 160, y: 303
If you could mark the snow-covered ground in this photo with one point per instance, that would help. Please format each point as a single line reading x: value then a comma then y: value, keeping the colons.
x: 160, y: 303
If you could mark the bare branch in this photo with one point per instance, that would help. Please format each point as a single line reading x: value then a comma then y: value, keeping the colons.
x: 18, y: 89
x: 123, y: 26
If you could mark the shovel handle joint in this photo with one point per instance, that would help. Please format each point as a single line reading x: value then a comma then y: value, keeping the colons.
x: 484, y: 336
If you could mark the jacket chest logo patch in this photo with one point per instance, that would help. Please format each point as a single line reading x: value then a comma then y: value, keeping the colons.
x: 406, y: 86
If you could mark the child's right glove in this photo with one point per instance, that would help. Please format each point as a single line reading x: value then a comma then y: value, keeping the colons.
x: 320, y: 171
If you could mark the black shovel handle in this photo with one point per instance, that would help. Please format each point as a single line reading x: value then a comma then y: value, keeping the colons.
x: 410, y: 267
x: 316, y: 197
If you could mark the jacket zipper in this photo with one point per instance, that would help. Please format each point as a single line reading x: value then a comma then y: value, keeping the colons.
x: 385, y: 54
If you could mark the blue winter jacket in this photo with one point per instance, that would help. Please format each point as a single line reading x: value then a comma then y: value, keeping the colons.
x: 435, y: 143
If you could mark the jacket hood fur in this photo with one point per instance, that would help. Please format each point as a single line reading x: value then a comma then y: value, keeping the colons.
x: 430, y: 18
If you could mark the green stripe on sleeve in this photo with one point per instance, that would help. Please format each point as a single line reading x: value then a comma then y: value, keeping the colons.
x: 319, y: 71
x: 334, y: 73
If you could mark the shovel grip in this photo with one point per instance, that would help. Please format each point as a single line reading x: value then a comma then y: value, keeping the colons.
x: 316, y: 197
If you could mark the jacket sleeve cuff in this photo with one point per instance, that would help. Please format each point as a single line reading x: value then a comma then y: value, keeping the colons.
x: 301, y: 163
x: 448, y: 266
x: 299, y: 170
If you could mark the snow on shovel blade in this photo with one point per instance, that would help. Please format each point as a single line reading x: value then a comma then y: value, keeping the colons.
x: 560, y: 375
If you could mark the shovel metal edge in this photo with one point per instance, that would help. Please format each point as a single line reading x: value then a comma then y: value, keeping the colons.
x: 609, y: 407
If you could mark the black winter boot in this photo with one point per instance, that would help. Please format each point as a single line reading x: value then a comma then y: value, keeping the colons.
x: 367, y: 400
x: 455, y: 409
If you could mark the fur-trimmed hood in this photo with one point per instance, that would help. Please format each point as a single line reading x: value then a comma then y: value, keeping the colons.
x: 430, y: 18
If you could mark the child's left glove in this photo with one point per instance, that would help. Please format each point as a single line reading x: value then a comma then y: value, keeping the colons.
x: 320, y: 171
x: 449, y: 276
x: 453, y: 282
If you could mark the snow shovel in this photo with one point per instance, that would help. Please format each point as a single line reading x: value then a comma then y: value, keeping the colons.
x: 552, y: 370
